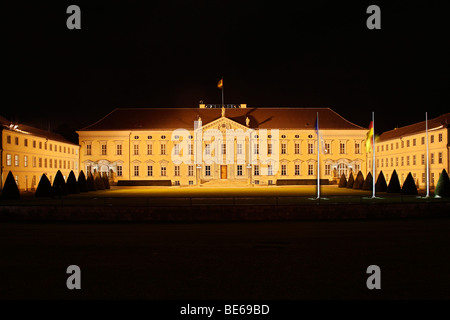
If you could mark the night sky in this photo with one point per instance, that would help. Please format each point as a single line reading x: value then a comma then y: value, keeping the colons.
x: 270, y: 53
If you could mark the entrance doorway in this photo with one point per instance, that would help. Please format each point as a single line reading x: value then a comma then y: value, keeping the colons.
x: 223, y: 172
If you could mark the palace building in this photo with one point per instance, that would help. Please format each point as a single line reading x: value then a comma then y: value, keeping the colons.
x: 28, y: 152
x: 222, y: 145
x: 404, y: 149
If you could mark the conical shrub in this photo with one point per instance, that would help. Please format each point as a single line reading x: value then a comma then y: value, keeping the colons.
x: 394, y: 184
x: 59, y: 185
x: 44, y: 188
x: 82, y: 184
x: 10, y: 190
x: 99, y: 182
x: 105, y: 180
x: 443, y: 185
x: 90, y: 182
x: 381, y: 185
x: 368, y: 183
x: 72, y: 185
x: 350, y: 181
x: 409, y: 186
x: 343, y: 181
x: 359, y: 181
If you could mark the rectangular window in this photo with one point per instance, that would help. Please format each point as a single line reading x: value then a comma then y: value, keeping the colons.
x: 283, y: 148
x: 423, y: 159
x: 190, y: 171
x: 432, y: 158
x: 440, y: 158
x: 103, y: 149
x: 310, y: 169
x: 190, y: 150
x: 149, y: 171
x: 25, y: 142
x: 56, y: 164
x: 88, y: 149
x: 256, y: 148
x: 432, y: 138
x: 327, y: 148
x: 149, y: 149
x: 207, y: 149
x: 328, y: 169
x: 387, y: 162
x: 310, y: 148
x: 403, y: 161
x: 392, y: 162
x: 60, y: 164
x: 136, y: 149
x: 136, y: 171
x: 283, y: 170
x: 16, y: 160
x: 414, y: 142
x: 163, y: 149
x: 207, y: 171
x: 176, y: 149
x: 423, y: 140
x: 45, y: 163
x: 297, y: 169
x: 239, y: 148
x: 407, y: 143
x: 256, y: 170
x: 50, y: 163
x: 357, y: 148
x: 423, y: 177
x: 239, y: 169
x: 396, y: 161
x: 16, y: 141
x: 177, y: 171
x: 407, y: 160
x: 440, y: 137
x: 8, y: 139
x: 119, y: 149
x: 40, y: 144
x: 51, y: 147
x: 163, y: 171
x: 414, y: 160
x: 25, y: 161
x: 270, y: 170
x: 342, y: 148
x: 64, y: 163
x: 119, y: 171
x: 224, y: 148
x: 403, y: 144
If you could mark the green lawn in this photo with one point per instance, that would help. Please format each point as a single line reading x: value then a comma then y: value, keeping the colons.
x: 182, y: 196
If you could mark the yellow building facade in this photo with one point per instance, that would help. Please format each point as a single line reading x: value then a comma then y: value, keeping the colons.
x: 212, y: 145
x: 405, y: 150
x: 29, y: 152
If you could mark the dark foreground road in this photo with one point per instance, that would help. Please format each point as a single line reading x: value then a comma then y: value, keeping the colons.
x: 273, y: 260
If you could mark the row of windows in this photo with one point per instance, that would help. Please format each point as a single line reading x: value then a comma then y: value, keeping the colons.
x: 41, y: 162
x: 239, y: 170
x: 41, y: 145
x: 408, y: 143
x: 385, y: 162
x: 311, y: 150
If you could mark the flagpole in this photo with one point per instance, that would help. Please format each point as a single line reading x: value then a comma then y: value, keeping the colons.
x: 428, y: 163
x: 318, y: 159
x: 223, y: 104
x: 373, y: 147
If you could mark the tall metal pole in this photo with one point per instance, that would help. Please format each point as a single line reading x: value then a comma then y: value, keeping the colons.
x: 318, y: 159
x: 373, y: 147
x: 223, y: 104
x: 428, y: 163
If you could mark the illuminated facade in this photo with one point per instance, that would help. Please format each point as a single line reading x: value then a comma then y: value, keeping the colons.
x: 29, y: 152
x: 225, y: 146
x: 404, y: 149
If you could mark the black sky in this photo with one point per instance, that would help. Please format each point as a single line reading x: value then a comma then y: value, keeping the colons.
x: 270, y: 53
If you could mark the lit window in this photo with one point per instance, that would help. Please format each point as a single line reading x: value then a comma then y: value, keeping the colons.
x: 16, y: 160
x: 208, y: 149
x: 176, y: 149
x: 25, y: 161
x: 440, y: 157
x: 8, y: 159
x: 270, y: 170
x: 149, y: 171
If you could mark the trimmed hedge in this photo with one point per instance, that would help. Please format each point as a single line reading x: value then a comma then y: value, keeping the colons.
x: 409, y: 186
x: 59, y: 185
x: 443, y: 185
x: 394, y: 184
x: 10, y: 189
x: 82, y: 184
x: 99, y: 182
x: 44, y: 188
x: 350, y: 181
x: 368, y: 183
x: 90, y: 182
x: 343, y: 181
x: 381, y: 185
x: 72, y: 185
x: 359, y: 181
x: 105, y: 180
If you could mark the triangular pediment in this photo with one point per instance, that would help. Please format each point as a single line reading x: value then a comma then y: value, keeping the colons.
x: 223, y: 124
